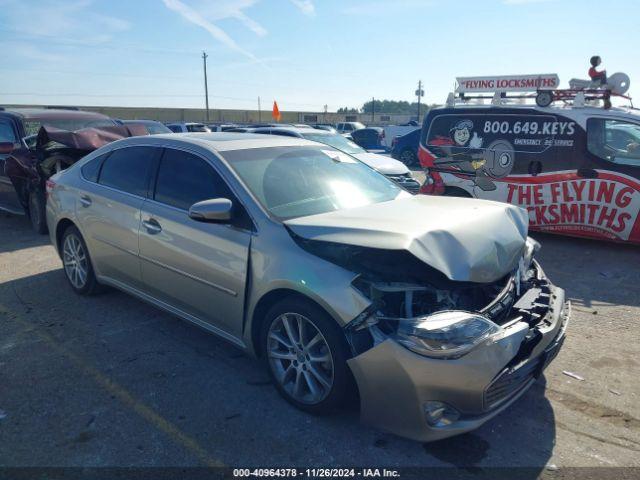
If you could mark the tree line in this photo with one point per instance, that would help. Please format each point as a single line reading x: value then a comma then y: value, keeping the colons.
x: 401, y: 107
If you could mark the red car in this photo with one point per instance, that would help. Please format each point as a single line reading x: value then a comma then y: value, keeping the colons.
x: 30, y: 154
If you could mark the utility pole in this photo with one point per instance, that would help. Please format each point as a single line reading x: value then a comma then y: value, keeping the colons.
x: 373, y: 109
x: 206, y: 87
x: 324, y: 115
x: 259, y: 112
x: 419, y: 93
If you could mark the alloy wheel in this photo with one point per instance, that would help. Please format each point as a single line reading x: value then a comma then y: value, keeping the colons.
x: 408, y: 158
x: 300, y: 358
x: 75, y: 261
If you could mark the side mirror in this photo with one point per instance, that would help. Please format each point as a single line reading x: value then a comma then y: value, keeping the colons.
x: 587, y: 173
x: 6, y: 148
x: 214, y: 210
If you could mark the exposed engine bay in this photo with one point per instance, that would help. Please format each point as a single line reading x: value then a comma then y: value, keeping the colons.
x: 403, y: 289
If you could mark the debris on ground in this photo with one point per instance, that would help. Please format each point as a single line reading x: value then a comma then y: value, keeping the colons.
x: 615, y: 392
x: 573, y: 375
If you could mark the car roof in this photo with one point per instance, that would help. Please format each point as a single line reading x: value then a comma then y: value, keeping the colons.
x: 297, y: 130
x: 141, y: 121
x: 219, y: 141
x: 53, y: 113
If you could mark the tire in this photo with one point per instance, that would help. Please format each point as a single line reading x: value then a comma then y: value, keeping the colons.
x: 408, y: 157
x: 324, y: 341
x: 544, y: 98
x: 37, y: 212
x: 73, y: 250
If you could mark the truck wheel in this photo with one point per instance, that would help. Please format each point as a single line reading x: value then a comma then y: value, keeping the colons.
x: 544, y: 98
x: 37, y: 212
x: 408, y: 157
x: 306, y: 356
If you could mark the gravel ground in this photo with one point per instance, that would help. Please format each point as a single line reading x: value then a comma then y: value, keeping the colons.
x: 112, y: 381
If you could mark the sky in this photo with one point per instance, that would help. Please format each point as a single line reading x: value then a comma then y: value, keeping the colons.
x: 303, y: 53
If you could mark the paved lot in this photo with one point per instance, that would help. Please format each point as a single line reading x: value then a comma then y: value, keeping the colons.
x: 111, y: 381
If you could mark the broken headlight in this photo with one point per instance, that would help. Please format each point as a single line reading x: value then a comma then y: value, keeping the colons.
x: 448, y: 334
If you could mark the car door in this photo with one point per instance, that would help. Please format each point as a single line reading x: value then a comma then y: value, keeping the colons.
x: 198, y: 268
x: 108, y: 210
x: 610, y: 172
x: 9, y: 200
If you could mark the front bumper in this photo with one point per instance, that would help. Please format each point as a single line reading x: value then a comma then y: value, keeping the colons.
x: 395, y: 383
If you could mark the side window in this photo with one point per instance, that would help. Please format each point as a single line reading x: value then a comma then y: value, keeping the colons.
x: 174, y: 128
x: 7, y: 133
x: 614, y: 140
x: 184, y: 179
x: 127, y: 169
x: 91, y: 169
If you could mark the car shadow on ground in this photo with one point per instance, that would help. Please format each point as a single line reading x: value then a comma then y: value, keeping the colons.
x: 16, y: 233
x: 208, y: 389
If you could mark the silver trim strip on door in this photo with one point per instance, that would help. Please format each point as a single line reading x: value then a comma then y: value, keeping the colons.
x: 190, y: 276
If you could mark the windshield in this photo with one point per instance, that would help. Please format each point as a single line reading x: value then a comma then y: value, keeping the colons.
x: 336, y: 141
x: 293, y: 182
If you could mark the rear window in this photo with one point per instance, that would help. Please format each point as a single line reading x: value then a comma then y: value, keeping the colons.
x: 91, y: 169
x: 127, y: 169
x: 31, y: 127
x: 450, y: 134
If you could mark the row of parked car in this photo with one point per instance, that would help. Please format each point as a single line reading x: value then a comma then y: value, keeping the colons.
x: 29, y: 155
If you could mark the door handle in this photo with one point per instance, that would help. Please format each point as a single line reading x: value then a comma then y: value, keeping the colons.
x: 85, y: 201
x: 152, y: 226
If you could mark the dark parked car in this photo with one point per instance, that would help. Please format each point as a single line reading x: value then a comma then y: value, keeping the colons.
x: 182, y: 127
x: 369, y: 138
x: 22, y: 173
x: 153, y: 127
x: 405, y: 148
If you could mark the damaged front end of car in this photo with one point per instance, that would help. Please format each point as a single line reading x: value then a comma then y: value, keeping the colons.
x: 434, y: 357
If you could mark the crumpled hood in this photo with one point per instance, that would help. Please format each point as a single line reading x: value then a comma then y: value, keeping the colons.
x: 466, y: 239
x: 383, y: 164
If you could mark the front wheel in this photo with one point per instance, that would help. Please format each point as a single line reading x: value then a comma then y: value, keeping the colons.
x: 306, y: 355
x: 408, y: 157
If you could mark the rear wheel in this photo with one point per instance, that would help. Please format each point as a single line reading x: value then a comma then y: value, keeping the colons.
x: 544, y: 98
x: 37, y: 213
x: 77, y: 263
x: 408, y: 157
x: 306, y: 355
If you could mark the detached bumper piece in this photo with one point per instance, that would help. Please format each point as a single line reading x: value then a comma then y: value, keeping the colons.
x: 515, y: 378
x: 406, y: 181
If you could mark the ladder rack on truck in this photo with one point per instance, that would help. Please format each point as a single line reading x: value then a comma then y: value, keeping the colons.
x: 543, y: 89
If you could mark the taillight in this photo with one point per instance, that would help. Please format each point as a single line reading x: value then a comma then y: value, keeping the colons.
x: 49, y: 186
